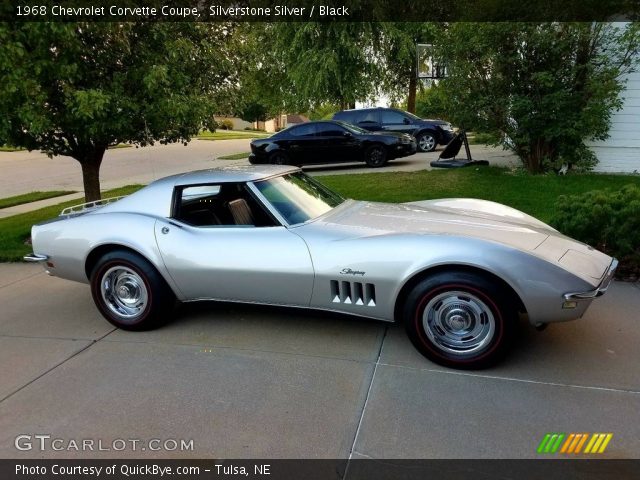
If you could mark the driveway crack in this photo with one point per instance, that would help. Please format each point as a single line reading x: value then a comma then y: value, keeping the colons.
x: 366, y: 400
x: 93, y: 342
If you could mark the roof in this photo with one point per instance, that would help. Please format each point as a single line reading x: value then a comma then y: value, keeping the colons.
x: 231, y: 173
x: 296, y: 118
x: 155, y: 198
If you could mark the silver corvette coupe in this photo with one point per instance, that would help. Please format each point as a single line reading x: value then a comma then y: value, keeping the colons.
x: 457, y: 272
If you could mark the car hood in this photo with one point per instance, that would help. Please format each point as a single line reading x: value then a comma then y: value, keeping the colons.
x: 471, y: 218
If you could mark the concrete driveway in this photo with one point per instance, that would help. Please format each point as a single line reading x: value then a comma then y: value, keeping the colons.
x: 256, y: 382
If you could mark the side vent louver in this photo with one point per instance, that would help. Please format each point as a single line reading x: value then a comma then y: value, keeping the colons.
x: 353, y: 293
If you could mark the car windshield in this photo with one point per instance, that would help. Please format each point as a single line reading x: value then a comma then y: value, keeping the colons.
x: 352, y: 128
x: 297, y: 197
x: 411, y: 115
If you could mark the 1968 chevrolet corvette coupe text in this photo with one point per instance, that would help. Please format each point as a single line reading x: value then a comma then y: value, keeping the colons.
x: 456, y: 272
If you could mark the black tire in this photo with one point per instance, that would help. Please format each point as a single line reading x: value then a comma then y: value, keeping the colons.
x: 279, y: 158
x: 426, y: 141
x: 469, y: 322
x: 133, y: 277
x: 375, y: 156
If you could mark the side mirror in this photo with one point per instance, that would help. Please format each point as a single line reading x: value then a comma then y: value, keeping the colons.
x: 406, y: 121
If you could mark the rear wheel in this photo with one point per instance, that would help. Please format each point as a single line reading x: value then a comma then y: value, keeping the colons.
x: 375, y: 156
x: 426, y: 142
x: 460, y: 319
x: 129, y: 291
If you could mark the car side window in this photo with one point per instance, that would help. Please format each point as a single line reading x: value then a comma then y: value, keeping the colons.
x: 365, y: 116
x: 390, y: 117
x: 305, y: 130
x: 329, y: 130
x: 219, y: 205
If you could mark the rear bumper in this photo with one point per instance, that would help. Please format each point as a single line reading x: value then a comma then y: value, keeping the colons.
x: 600, y: 290
x: 35, y: 258
x: 446, y: 136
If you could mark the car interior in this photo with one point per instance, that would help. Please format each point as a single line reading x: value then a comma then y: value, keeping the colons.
x: 225, y: 204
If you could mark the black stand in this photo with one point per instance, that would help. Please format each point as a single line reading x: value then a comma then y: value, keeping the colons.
x: 447, y: 158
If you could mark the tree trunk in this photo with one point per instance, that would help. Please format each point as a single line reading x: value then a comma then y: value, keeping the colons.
x: 90, y: 164
x: 411, y: 100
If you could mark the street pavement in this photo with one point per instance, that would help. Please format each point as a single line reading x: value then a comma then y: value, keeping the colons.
x: 24, y: 172
x: 258, y: 382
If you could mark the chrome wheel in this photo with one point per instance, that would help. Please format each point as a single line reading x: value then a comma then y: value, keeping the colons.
x: 458, y: 323
x: 124, y: 292
x: 426, y: 143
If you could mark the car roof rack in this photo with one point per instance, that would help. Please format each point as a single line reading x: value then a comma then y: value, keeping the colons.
x: 88, y: 206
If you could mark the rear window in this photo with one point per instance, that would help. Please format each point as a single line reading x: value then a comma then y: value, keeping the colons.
x: 357, y: 116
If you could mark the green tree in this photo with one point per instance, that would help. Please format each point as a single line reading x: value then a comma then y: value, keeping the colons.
x: 263, y: 88
x: 399, y: 57
x: 328, y: 62
x: 432, y: 102
x: 77, y: 88
x: 544, y: 88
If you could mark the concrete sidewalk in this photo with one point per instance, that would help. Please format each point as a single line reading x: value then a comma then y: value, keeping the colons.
x: 257, y: 382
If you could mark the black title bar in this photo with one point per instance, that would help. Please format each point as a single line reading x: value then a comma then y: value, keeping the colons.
x: 361, y: 469
x: 322, y: 11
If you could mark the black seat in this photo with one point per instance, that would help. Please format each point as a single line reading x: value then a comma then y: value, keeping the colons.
x: 202, y: 218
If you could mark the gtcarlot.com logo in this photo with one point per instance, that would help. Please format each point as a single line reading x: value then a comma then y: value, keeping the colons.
x: 575, y: 443
x: 43, y: 442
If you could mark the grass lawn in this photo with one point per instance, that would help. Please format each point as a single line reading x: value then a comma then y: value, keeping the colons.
x: 234, y: 156
x: 9, y: 148
x: 120, y: 145
x: 16, y: 229
x: 32, y: 197
x: 535, y: 195
x: 230, y: 135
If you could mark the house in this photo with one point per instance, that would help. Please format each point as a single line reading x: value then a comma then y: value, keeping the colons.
x: 281, y: 121
x: 621, y: 151
x: 238, y: 123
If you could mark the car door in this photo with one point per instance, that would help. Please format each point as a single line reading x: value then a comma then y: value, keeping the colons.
x: 267, y: 264
x: 395, y: 121
x: 302, y: 144
x: 336, y: 143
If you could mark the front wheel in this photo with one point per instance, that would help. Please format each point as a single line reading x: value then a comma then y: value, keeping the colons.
x: 375, y: 156
x: 426, y: 142
x: 460, y: 319
x: 279, y: 158
x: 129, y: 291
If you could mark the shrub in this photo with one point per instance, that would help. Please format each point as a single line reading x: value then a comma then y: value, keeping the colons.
x: 482, y: 138
x: 225, y: 124
x: 432, y: 102
x: 606, y: 220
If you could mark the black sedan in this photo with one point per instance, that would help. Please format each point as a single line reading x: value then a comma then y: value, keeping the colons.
x: 331, y: 142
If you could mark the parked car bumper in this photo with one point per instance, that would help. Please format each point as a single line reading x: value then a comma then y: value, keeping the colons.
x: 446, y: 136
x: 404, y: 149
x: 254, y: 159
